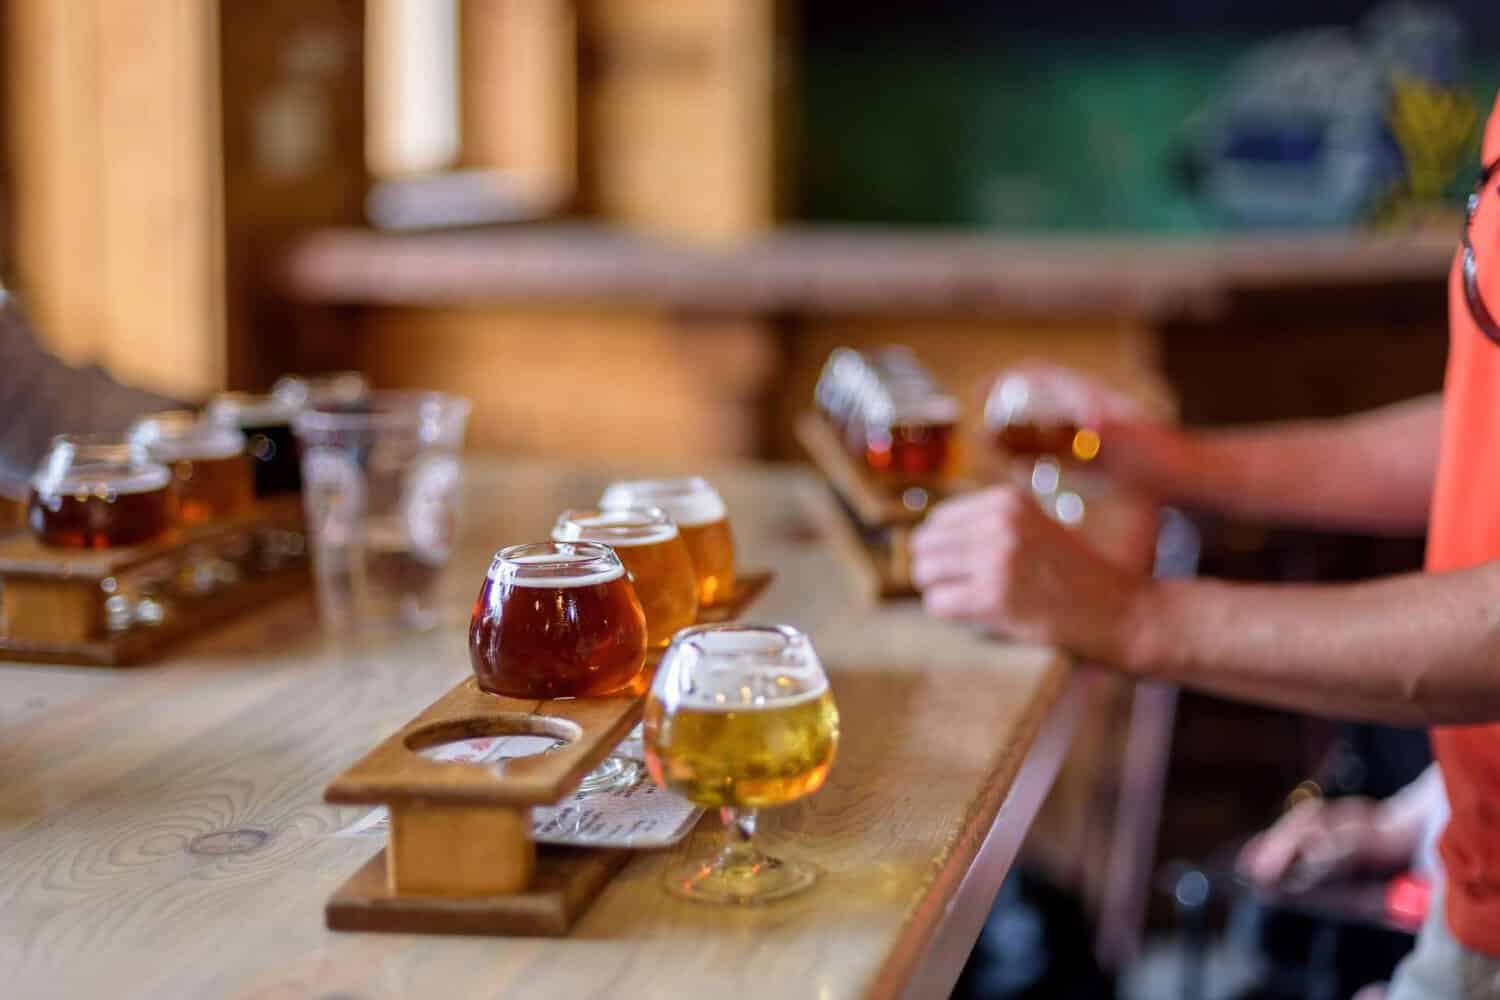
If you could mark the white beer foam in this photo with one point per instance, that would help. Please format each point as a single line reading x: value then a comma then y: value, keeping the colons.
x: 97, y: 479
x: 690, y: 502
x: 756, y: 692
x: 206, y: 448
x: 560, y: 582
x: 584, y: 530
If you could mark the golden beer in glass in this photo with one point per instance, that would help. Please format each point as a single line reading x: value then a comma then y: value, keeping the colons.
x: 740, y: 717
x: 702, y: 519
x: 655, y: 557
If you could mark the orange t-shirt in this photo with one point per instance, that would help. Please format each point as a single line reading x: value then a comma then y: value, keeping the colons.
x: 1465, y: 531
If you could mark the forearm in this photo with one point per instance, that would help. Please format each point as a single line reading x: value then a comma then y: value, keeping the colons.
x: 1408, y: 650
x: 1373, y: 471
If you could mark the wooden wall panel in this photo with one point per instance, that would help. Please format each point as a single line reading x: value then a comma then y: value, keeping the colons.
x: 582, y: 382
x: 293, y: 84
x: 679, y: 109
x: 519, y: 91
x: 113, y: 107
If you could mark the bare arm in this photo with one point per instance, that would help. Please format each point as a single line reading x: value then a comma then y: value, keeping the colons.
x: 1317, y: 473
x: 1418, y: 649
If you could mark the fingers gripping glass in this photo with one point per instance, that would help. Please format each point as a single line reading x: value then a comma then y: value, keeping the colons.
x: 1483, y: 318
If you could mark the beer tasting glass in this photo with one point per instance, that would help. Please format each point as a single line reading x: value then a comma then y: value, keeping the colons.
x: 210, y: 471
x: 909, y: 440
x: 557, y: 620
x: 267, y: 425
x: 739, y: 718
x: 381, y: 480
x: 296, y: 392
x: 838, y: 385
x: 1033, y: 420
x: 98, y: 491
x: 655, y: 557
x: 701, y: 518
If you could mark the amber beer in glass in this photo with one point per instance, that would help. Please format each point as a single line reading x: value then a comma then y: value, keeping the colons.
x: 701, y: 518
x: 911, y: 441
x: 98, y: 492
x: 740, y: 717
x: 655, y: 557
x: 210, y: 471
x: 557, y: 620
x: 1025, y: 419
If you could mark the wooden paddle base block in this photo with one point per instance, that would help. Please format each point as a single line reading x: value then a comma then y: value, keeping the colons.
x: 459, y: 850
x: 562, y: 885
x: 880, y: 557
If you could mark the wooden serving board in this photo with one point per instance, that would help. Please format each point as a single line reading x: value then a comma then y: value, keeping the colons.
x: 54, y: 603
x: 879, y: 521
x: 460, y: 859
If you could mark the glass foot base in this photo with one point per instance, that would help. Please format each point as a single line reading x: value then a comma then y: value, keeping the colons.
x: 614, y: 774
x: 764, y: 881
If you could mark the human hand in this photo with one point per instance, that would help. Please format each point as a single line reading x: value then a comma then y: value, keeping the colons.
x: 1320, y: 840
x: 993, y: 558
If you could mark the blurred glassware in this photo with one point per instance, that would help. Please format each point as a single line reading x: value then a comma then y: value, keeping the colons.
x: 1037, y: 422
x: 266, y: 423
x: 381, y: 489
x: 96, y: 491
x: 910, y: 438
x: 211, y: 473
x: 295, y: 392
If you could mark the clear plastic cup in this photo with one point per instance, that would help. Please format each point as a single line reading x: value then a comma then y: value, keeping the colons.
x: 381, y: 480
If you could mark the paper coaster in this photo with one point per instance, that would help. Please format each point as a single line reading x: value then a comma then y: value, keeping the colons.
x: 640, y: 817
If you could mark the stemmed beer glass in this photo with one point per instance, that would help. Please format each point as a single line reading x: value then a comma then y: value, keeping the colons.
x: 740, y: 717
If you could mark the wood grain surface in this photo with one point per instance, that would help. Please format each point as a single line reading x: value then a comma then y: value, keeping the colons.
x: 162, y: 831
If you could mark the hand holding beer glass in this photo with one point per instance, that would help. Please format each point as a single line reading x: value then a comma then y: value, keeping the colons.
x: 740, y: 717
x: 1045, y: 417
x: 701, y: 518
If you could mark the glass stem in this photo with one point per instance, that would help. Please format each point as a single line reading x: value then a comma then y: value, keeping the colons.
x: 739, y: 850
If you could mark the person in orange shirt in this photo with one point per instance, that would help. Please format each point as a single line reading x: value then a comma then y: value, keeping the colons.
x: 1418, y: 649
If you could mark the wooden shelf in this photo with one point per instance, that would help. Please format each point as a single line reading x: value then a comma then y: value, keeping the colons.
x: 834, y: 269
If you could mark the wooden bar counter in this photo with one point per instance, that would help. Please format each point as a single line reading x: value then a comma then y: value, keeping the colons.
x: 162, y: 831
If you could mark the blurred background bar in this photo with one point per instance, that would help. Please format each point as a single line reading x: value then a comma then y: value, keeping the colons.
x: 716, y: 193
x: 635, y: 229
